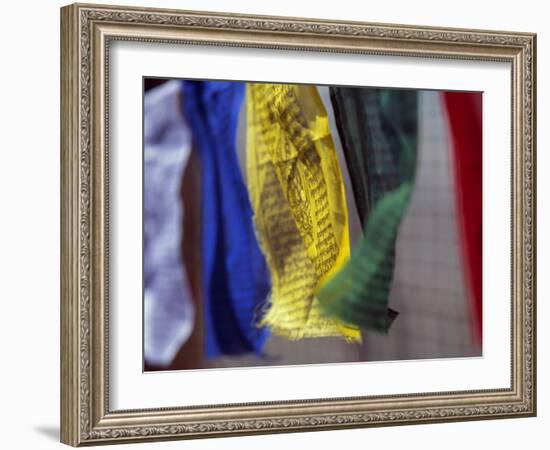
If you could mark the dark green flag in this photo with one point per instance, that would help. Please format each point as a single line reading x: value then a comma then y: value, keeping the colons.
x: 379, y: 132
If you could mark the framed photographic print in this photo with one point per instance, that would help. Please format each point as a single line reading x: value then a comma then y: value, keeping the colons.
x: 277, y: 224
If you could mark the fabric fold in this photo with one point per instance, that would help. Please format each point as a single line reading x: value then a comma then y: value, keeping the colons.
x: 464, y: 111
x: 379, y: 131
x: 168, y: 306
x: 235, y: 276
x: 300, y: 211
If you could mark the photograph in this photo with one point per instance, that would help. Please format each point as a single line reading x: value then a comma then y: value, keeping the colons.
x: 279, y: 224
x: 288, y: 224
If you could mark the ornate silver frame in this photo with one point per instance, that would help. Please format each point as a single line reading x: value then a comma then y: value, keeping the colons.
x: 86, y: 31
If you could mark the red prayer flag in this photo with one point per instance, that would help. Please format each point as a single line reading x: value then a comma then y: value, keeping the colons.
x: 464, y: 116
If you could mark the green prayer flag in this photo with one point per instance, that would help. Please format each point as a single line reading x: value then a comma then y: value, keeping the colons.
x: 379, y: 133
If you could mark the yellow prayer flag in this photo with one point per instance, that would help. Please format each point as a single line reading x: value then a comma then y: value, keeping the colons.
x: 300, y: 211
